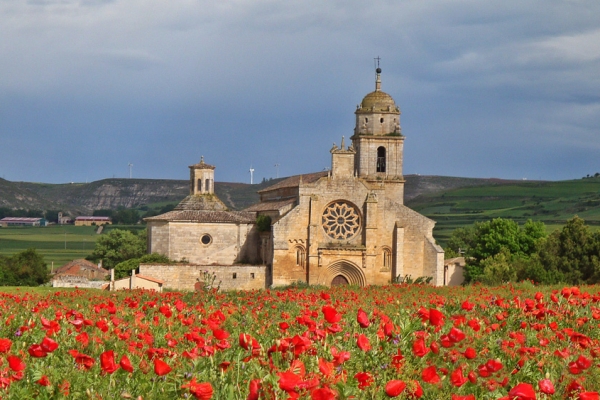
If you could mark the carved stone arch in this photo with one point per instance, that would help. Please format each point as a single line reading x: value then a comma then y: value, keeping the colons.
x: 386, y: 253
x: 300, y: 253
x: 350, y: 271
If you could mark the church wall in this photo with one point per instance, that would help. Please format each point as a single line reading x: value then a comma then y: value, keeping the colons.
x: 158, y: 237
x: 185, y: 276
x: 230, y: 242
x: 366, y: 156
x: 289, y: 234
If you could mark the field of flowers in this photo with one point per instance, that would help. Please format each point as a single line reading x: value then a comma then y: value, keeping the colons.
x: 403, y: 341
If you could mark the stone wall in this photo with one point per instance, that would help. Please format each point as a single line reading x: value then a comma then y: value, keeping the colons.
x: 71, y: 281
x: 185, y: 276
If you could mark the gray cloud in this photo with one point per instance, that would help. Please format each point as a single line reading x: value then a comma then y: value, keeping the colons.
x: 514, y: 84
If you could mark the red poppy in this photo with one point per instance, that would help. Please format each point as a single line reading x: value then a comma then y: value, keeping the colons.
x: 456, y: 335
x: 107, y: 362
x: 419, y: 349
x: 247, y: 342
x: 546, y: 386
x: 457, y: 378
x: 467, y: 397
x: 436, y: 318
x: 362, y: 318
x: 254, y: 389
x: 364, y: 379
x: 160, y: 367
x: 35, y: 350
x: 394, y: 388
x: 589, y: 396
x: 430, y: 375
x: 202, y: 391
x: 523, y: 391
x: 414, y: 390
x: 331, y: 314
x: 324, y: 393
x: 126, y: 364
x: 44, y: 381
x: 470, y: 353
x: 325, y: 367
x: 49, y: 345
x: 15, y: 363
x: 5, y: 345
x: 363, y: 343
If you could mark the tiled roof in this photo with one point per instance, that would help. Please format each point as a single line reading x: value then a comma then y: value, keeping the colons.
x: 270, y: 205
x: 206, y: 216
x: 76, y: 267
x: 209, y: 202
x: 19, y: 219
x: 92, y: 218
x: 294, y: 181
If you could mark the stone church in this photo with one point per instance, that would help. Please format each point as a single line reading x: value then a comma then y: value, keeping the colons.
x: 344, y: 226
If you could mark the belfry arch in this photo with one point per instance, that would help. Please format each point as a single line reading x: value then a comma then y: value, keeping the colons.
x: 347, y: 270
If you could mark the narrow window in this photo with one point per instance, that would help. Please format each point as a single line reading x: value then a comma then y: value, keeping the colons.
x: 234, y: 275
x: 300, y: 256
x: 387, y: 259
x: 207, y: 185
x: 199, y: 187
x: 366, y: 119
x: 252, y: 275
x: 381, y: 120
x: 381, y: 159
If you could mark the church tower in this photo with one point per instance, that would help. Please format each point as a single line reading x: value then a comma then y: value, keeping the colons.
x: 377, y: 138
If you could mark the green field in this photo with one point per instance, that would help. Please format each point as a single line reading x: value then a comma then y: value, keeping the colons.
x: 550, y: 202
x: 58, y: 244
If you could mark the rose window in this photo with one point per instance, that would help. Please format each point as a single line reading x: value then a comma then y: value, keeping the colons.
x: 341, y: 220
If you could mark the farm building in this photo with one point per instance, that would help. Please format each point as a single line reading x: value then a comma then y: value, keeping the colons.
x: 92, y: 220
x: 23, y: 221
x: 80, y: 273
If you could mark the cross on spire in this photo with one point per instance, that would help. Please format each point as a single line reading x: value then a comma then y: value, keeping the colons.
x: 377, y: 59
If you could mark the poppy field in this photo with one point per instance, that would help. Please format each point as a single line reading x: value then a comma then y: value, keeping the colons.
x: 401, y: 341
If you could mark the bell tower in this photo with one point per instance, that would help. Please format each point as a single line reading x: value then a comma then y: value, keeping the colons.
x: 202, y: 178
x: 378, y: 139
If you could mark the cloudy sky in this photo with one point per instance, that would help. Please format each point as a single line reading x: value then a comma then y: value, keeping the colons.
x: 495, y: 88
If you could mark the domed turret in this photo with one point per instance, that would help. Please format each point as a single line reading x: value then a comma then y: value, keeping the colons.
x: 378, y: 113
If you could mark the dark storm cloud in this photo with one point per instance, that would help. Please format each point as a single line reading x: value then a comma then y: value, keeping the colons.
x: 498, y: 88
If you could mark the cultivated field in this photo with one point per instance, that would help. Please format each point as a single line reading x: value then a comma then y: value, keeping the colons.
x: 58, y: 244
x: 551, y: 202
x: 405, y: 341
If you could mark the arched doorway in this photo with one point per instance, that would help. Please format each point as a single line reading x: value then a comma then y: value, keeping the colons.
x: 340, y: 280
x: 342, y: 273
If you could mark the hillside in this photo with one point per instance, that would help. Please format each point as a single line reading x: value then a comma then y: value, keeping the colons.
x: 79, y: 198
x: 550, y: 202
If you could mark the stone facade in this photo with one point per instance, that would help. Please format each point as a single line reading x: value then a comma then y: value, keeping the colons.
x: 343, y: 226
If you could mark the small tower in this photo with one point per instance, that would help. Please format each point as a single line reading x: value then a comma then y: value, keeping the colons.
x: 377, y: 138
x: 202, y: 178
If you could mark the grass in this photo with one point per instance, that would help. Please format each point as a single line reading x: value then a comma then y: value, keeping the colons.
x: 58, y: 244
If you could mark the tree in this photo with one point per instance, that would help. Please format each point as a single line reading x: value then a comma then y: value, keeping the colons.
x: 123, y: 269
x: 117, y: 246
x: 51, y: 215
x: 487, y: 239
x: 572, y: 254
x: 26, y: 268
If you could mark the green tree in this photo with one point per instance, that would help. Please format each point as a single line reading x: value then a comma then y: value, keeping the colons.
x: 117, y: 246
x: 123, y: 269
x: 487, y: 239
x: 572, y: 254
x: 498, y: 269
x: 26, y: 268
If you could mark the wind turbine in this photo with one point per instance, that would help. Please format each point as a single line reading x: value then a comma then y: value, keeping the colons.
x: 130, y: 165
x: 251, y: 174
x: 277, y: 170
